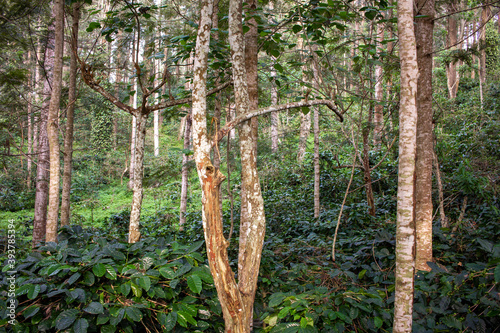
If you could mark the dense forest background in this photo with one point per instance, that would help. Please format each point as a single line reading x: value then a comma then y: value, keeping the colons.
x: 117, y: 243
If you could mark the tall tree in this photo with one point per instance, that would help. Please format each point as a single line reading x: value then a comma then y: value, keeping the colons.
x: 405, y: 238
x: 68, y: 140
x: 425, y: 139
x: 53, y: 122
x: 451, y: 43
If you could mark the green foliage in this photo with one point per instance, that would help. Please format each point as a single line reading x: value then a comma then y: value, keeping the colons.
x: 89, y: 283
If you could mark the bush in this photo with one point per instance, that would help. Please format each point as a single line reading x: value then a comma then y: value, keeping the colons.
x: 87, y: 283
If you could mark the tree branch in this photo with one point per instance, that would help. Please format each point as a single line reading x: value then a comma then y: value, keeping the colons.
x: 259, y: 112
x: 186, y: 100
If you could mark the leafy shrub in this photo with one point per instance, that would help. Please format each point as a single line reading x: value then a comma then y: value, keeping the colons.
x: 86, y: 283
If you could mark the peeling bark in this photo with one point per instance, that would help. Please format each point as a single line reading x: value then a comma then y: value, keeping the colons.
x: 53, y: 122
x: 425, y: 138
x: 405, y: 238
x: 135, y: 212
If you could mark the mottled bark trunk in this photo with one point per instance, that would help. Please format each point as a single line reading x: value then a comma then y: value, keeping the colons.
x: 156, y: 133
x: 53, y: 122
x: 451, y: 40
x: 185, y: 173
x: 42, y: 174
x: 316, y: 164
x: 133, y: 143
x: 367, y: 175
x: 138, y: 191
x: 425, y: 138
x: 68, y: 140
x: 379, y: 95
x: 405, y: 237
x: 274, y: 115
x: 485, y: 13
x: 305, y: 119
x: 210, y: 179
x: 30, y: 122
x: 252, y: 219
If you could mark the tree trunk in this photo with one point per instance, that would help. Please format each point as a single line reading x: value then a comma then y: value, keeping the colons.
x: 156, y: 133
x: 42, y: 174
x: 53, y: 122
x: 185, y: 173
x: 425, y: 138
x: 274, y: 115
x: 451, y: 41
x: 68, y: 140
x: 444, y: 219
x: 379, y: 95
x: 252, y: 219
x: 31, y: 84
x: 305, y: 119
x: 485, y: 13
x: 405, y: 238
x: 210, y: 179
x: 316, y: 163
x: 133, y: 143
x: 138, y: 191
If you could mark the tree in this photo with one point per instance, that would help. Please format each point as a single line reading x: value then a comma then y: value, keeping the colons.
x: 405, y: 238
x: 68, y: 140
x: 425, y: 138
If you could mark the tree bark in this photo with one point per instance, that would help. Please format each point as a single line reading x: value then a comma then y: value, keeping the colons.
x: 425, y: 138
x: 31, y: 84
x: 485, y: 13
x: 379, y: 95
x: 138, y: 191
x: 185, y: 173
x: 53, y: 122
x: 305, y: 119
x: 316, y: 164
x: 444, y: 219
x: 274, y: 115
x: 68, y: 140
x: 451, y: 41
x: 405, y: 238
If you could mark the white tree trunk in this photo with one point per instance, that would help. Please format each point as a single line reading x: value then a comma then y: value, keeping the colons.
x: 405, y: 233
x: 185, y: 173
x: 53, y: 122
x: 157, y: 133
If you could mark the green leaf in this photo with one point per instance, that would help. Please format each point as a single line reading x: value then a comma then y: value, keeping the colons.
x: 378, y: 322
x: 99, y: 270
x: 92, y: 26
x: 94, y: 308
x: 284, y: 312
x: 171, y: 321
x: 88, y: 278
x: 162, y: 318
x: 144, y: 282
x: 167, y: 272
x: 278, y: 67
x: 110, y: 272
x: 73, y: 278
x: 125, y: 289
x: 195, y: 246
x: 183, y: 318
x: 361, y: 274
x: 194, y: 283
x: 108, y: 329
x: 81, y: 326
x: 136, y: 290
x: 296, y: 28
x: 304, y: 109
x: 33, y: 291
x: 102, y: 319
x: 204, y: 273
x: 66, y: 318
x: 133, y: 313
x: 497, y: 274
x: 31, y: 311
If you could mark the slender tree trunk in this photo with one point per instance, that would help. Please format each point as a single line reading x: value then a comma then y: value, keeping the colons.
x: 316, y: 164
x: 133, y: 143
x: 405, y: 238
x: 425, y: 138
x: 485, y: 13
x: 138, y: 191
x: 42, y: 174
x: 444, y: 219
x: 185, y: 173
x: 53, y: 123
x: 30, y: 123
x: 451, y: 40
x: 305, y: 119
x: 379, y: 95
x: 156, y: 134
x: 274, y: 115
x: 68, y: 140
x: 252, y: 219
x: 367, y: 176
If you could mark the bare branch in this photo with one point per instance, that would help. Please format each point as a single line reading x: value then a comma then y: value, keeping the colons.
x: 186, y: 100
x: 259, y: 112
